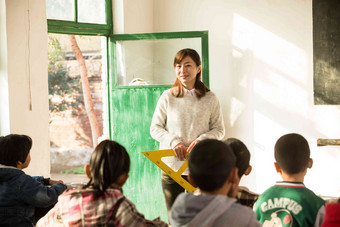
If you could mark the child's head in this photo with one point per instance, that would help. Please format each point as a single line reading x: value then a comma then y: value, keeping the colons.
x: 108, y: 164
x: 210, y: 164
x: 292, y: 153
x: 14, y: 150
x: 242, y: 155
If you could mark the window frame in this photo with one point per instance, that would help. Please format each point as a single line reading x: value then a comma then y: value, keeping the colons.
x: 89, y: 29
x: 80, y: 28
x: 113, y: 83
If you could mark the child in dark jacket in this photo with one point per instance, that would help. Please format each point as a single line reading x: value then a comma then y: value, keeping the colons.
x: 20, y: 193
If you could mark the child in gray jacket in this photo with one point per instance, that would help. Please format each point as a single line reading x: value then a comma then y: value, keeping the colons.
x: 212, y: 169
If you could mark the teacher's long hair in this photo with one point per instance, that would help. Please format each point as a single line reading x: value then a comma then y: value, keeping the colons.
x: 177, y: 87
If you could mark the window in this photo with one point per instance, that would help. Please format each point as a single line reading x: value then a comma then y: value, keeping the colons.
x: 146, y: 59
x: 88, y: 23
x: 81, y: 17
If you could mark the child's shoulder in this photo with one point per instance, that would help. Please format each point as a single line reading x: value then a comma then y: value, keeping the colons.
x: 290, y: 190
x: 12, y: 174
x: 90, y: 192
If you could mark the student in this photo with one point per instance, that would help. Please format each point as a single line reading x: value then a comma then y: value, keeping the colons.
x: 20, y: 194
x: 212, y: 169
x: 332, y: 214
x: 185, y: 114
x: 101, y: 202
x: 242, y: 154
x: 289, y: 202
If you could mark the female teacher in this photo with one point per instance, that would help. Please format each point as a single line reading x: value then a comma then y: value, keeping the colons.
x: 185, y: 114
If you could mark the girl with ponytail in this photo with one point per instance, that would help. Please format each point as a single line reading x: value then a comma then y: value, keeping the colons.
x: 101, y: 202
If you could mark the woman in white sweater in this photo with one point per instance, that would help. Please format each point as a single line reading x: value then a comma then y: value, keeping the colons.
x: 185, y: 114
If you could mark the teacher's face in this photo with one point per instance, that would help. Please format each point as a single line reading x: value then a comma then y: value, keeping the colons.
x: 186, y: 72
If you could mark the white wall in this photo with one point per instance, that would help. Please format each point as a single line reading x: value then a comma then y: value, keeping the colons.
x: 261, y: 68
x: 26, y: 74
x: 4, y: 105
x: 134, y: 16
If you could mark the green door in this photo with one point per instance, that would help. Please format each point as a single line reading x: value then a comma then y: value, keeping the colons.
x: 132, y: 110
x: 147, y: 59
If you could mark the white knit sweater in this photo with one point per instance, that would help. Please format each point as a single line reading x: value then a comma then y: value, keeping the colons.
x: 184, y: 119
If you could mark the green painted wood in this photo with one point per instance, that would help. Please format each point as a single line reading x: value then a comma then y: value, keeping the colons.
x: 76, y: 28
x: 160, y: 35
x: 77, y: 31
x: 131, y: 113
x: 205, y: 59
x: 108, y: 12
x: 76, y: 10
x: 70, y: 27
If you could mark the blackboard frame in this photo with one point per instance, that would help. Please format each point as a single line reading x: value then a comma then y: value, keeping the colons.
x: 326, y: 52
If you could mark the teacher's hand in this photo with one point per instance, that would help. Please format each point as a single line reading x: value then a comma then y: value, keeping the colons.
x: 180, y: 151
x: 192, y: 145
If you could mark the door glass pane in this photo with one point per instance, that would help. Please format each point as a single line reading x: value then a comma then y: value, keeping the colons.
x: 60, y: 9
x: 91, y: 11
x: 150, y: 62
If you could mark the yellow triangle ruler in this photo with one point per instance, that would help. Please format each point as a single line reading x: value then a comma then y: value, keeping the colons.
x: 156, y: 156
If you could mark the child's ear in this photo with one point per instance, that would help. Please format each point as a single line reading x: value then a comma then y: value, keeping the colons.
x: 191, y: 181
x: 310, y: 163
x: 87, y: 170
x: 233, y: 177
x: 19, y: 164
x: 233, y: 181
x: 248, y: 170
x: 122, y: 179
x: 277, y: 167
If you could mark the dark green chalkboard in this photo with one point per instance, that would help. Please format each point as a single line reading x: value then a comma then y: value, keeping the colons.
x: 326, y: 49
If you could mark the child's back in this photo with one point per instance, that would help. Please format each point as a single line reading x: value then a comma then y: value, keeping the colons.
x: 210, y: 210
x: 289, y: 202
x: 101, y: 202
x: 212, y: 169
x: 81, y: 207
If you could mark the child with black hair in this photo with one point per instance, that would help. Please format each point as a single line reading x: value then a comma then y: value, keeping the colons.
x: 289, y: 202
x: 21, y: 194
x: 242, y: 154
x: 212, y: 169
x: 101, y: 202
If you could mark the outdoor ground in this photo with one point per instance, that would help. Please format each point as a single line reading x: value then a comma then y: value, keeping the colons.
x: 70, y: 178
